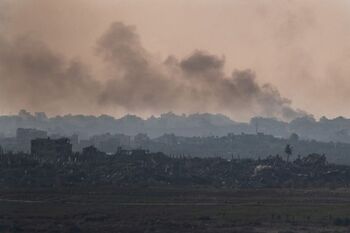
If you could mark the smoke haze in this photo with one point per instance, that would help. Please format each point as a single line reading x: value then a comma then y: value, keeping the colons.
x: 146, y: 58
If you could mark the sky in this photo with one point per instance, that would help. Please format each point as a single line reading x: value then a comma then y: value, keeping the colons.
x: 274, y: 58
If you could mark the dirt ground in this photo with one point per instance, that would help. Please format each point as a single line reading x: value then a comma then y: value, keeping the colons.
x: 176, y: 209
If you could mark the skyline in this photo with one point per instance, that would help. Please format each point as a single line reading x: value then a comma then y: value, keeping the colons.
x: 298, y: 48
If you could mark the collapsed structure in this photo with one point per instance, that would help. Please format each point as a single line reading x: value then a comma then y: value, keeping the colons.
x: 51, y: 149
x: 240, y: 145
x: 52, y: 163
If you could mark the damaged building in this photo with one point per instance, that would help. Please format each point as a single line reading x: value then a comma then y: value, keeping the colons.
x: 25, y: 136
x: 51, y: 149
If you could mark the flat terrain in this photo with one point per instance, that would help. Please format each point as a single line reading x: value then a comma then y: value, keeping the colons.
x: 176, y: 209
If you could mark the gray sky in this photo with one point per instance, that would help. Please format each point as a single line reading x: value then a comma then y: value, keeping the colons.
x: 301, y: 48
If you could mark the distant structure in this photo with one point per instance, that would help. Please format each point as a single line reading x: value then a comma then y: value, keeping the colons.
x: 90, y: 150
x: 25, y: 136
x: 51, y: 149
x: 106, y: 142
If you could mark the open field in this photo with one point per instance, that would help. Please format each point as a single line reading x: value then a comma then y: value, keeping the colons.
x: 105, y: 209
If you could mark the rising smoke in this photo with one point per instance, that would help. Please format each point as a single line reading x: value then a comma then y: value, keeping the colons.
x: 32, y: 76
x: 35, y: 77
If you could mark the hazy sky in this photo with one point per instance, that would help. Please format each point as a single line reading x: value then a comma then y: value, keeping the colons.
x: 300, y: 48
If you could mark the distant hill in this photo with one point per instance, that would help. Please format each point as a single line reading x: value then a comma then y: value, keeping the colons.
x: 200, y: 124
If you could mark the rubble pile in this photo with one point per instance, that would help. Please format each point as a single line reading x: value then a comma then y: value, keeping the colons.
x: 141, y: 167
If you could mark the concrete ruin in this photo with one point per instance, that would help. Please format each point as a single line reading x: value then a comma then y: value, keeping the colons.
x: 51, y: 149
